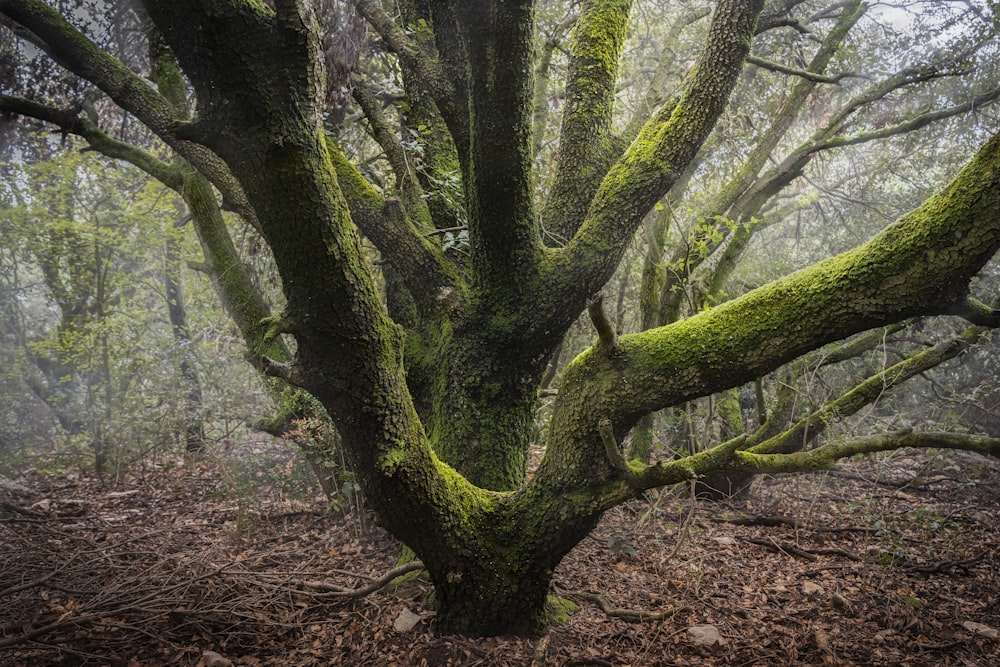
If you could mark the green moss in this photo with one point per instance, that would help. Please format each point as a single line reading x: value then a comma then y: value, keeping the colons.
x: 393, y: 459
x: 558, y: 610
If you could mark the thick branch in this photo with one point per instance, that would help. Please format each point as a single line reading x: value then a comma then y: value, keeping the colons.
x: 38, y: 23
x: 793, y: 165
x: 720, y: 207
x: 585, y: 150
x: 978, y: 313
x: 658, y: 156
x: 427, y: 272
x: 921, y: 264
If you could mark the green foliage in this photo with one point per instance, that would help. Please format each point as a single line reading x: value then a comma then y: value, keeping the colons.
x: 94, y: 337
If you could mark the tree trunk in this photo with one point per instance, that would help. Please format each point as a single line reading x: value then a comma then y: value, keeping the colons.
x: 193, y: 427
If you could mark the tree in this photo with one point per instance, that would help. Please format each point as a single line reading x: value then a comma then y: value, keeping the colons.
x: 433, y: 387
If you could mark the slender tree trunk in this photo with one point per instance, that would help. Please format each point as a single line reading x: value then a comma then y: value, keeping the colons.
x: 193, y: 427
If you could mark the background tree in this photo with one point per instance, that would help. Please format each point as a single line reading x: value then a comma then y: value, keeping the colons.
x: 433, y: 387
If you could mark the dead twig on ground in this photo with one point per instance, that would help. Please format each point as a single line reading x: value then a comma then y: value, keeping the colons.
x: 791, y: 522
x: 333, y: 590
x: 628, y: 615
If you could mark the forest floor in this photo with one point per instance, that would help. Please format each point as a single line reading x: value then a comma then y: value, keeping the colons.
x: 890, y: 561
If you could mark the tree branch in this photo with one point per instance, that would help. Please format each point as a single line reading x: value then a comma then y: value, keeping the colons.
x: 290, y: 372
x: 909, y: 125
x: 978, y: 313
x: 429, y: 275
x: 38, y: 23
x: 828, y: 454
x: 868, y: 391
x: 430, y: 73
x: 802, y: 73
x: 721, y: 205
x: 657, y: 157
x: 606, y: 335
x: 367, y: 589
x: 406, y: 178
x: 794, y: 164
x: 70, y: 122
x: 921, y: 264
x: 585, y: 150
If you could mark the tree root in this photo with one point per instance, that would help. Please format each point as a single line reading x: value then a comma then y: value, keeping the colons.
x: 627, y: 615
x: 333, y: 590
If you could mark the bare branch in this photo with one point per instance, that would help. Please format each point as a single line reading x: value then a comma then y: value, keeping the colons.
x: 71, y: 122
x: 828, y: 454
x: 909, y: 125
x: 606, y: 334
x: 38, y: 23
x: 367, y: 589
x: 627, y: 615
x: 430, y: 73
x: 805, y: 74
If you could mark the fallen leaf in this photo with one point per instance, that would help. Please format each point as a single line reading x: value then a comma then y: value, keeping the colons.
x: 810, y: 588
x: 981, y: 629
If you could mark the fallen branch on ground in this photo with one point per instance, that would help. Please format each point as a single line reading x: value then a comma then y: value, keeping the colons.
x: 68, y: 620
x: 791, y: 522
x: 334, y: 590
x: 628, y: 615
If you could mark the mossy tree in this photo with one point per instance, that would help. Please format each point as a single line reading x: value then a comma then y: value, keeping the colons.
x: 434, y: 400
x: 813, y: 116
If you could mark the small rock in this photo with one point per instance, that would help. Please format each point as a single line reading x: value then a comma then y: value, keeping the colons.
x: 43, y: 505
x: 704, y: 635
x: 213, y: 659
x: 406, y: 621
x: 810, y: 589
x: 980, y: 629
x: 724, y: 541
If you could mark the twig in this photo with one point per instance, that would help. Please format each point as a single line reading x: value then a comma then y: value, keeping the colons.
x: 340, y: 591
x: 588, y: 660
x: 685, y: 530
x: 627, y: 615
x: 39, y: 581
x: 943, y: 567
x: 791, y: 522
x: 89, y: 618
x: 45, y: 629
x: 538, y: 656
x: 785, y: 547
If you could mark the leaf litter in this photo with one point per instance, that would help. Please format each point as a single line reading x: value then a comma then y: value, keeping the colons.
x: 850, y: 567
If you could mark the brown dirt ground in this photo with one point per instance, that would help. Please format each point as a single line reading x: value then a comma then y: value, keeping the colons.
x: 157, y: 570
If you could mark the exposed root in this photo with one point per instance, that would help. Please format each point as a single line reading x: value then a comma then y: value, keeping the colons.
x: 627, y: 615
x: 334, y: 590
